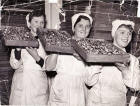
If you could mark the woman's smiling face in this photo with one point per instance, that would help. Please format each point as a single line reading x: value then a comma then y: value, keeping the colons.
x: 122, y: 37
x: 37, y: 22
x: 82, y: 29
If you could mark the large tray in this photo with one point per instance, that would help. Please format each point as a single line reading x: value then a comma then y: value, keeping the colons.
x: 121, y: 56
x: 55, y: 41
x: 20, y: 43
x: 18, y: 36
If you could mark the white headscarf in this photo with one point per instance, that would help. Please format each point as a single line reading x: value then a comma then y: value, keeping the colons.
x: 117, y: 23
x: 76, y: 16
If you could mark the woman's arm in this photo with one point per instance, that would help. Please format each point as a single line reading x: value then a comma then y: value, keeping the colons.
x: 15, y: 59
x: 131, y: 73
x: 92, y: 74
x: 51, y: 62
x: 34, y: 53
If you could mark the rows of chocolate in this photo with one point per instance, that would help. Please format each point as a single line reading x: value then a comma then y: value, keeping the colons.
x: 58, y: 38
x: 92, y: 46
x: 17, y: 33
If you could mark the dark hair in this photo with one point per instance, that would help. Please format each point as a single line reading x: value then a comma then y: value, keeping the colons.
x: 37, y: 13
x: 79, y: 19
x: 128, y: 27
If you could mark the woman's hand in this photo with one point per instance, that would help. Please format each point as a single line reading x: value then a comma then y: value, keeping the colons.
x: 33, y: 52
x: 51, y: 61
x: 122, y: 66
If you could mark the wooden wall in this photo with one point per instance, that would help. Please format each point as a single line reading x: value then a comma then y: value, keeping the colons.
x: 6, y: 73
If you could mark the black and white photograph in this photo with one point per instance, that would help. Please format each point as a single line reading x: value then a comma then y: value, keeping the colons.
x: 69, y: 52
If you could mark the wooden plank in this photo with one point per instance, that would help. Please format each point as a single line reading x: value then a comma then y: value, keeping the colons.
x: 5, y: 68
x: 58, y: 49
x: 103, y: 7
x: 4, y: 62
x: 3, y: 53
x: 101, y: 34
x: 4, y: 58
x: 20, y: 43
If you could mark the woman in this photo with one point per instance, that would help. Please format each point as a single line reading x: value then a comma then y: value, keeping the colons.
x: 114, y: 79
x: 68, y: 86
x: 29, y: 84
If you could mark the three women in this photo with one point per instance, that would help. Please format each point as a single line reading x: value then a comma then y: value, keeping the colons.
x: 68, y: 88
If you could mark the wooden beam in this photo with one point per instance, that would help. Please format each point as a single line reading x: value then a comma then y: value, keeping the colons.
x: 18, y: 9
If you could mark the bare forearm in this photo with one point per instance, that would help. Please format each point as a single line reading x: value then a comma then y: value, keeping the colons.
x: 51, y: 62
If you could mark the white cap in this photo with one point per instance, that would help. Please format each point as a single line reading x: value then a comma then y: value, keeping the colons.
x: 117, y: 23
x: 76, y: 16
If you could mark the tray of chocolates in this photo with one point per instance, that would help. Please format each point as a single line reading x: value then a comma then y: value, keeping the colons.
x: 18, y: 36
x: 92, y: 50
x: 55, y: 40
